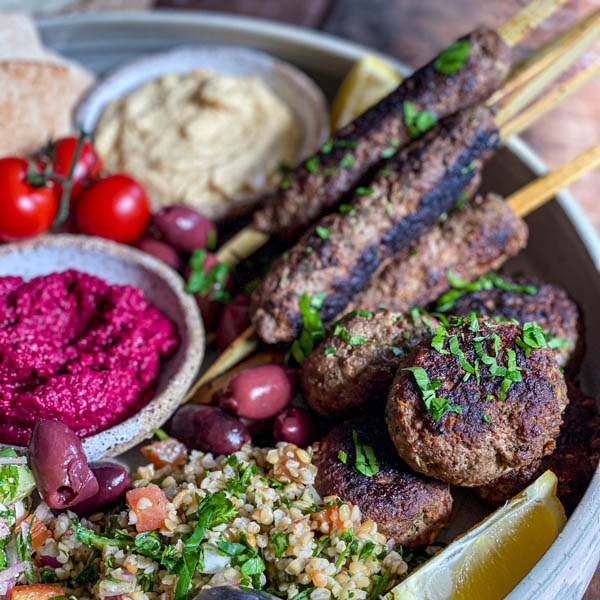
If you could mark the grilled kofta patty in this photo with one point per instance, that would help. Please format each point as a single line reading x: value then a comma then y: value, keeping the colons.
x: 406, y: 506
x: 574, y: 461
x: 476, y: 401
x: 527, y: 300
x: 355, y: 364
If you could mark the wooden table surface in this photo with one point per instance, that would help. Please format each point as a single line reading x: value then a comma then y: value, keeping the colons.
x: 415, y: 30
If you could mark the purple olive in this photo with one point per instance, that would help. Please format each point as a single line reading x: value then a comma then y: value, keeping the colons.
x: 295, y: 426
x: 159, y: 250
x: 228, y: 592
x: 260, y: 392
x: 184, y: 228
x: 234, y: 319
x: 113, y: 482
x: 59, y: 465
x: 208, y: 428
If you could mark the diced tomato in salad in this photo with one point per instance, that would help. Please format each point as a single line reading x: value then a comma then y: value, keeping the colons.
x: 149, y: 505
x: 165, y: 452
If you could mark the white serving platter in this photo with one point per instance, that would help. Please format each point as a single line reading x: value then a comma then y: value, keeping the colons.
x: 563, y: 247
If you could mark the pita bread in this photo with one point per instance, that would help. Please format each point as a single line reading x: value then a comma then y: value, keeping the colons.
x: 38, y: 89
x: 32, y: 105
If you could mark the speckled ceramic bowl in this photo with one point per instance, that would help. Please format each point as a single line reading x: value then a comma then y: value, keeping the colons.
x: 291, y: 85
x: 162, y: 286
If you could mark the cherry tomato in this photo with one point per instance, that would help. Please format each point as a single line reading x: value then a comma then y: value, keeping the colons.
x: 26, y: 210
x: 115, y: 207
x: 88, y: 165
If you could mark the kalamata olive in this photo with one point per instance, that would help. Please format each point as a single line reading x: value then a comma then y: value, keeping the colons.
x: 234, y: 319
x: 210, y: 307
x: 294, y: 425
x: 209, y: 429
x: 184, y: 228
x: 113, y: 481
x: 259, y: 393
x: 159, y: 250
x: 229, y: 592
x: 59, y: 465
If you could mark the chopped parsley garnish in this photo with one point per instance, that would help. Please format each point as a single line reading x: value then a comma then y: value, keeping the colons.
x: 215, y: 509
x: 470, y: 167
x: 347, y: 160
x: 286, y: 181
x: 364, y: 191
x: 353, y: 340
x: 202, y: 283
x: 330, y: 350
x: 345, y: 144
x: 327, y: 147
x: 390, y: 150
x: 365, y: 461
x: 486, y: 418
x: 322, y: 232
x: 355, y: 313
x: 347, y: 209
x: 238, y: 484
x: 417, y: 122
x: 453, y: 57
x: 437, y: 407
x: 485, y: 282
x: 342, y: 456
x: 312, y: 165
x: 280, y: 543
x: 312, y: 331
x: 211, y: 239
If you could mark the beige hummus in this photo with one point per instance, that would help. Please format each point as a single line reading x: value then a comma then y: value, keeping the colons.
x: 203, y: 139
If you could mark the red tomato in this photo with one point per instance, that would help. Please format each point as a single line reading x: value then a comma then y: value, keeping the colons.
x: 88, y: 165
x: 115, y: 207
x: 26, y: 210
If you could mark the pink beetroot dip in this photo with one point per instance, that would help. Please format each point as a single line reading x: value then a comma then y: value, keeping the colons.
x: 76, y: 349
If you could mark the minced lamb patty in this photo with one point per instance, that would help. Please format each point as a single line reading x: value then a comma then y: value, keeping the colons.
x: 406, y: 506
x: 447, y: 424
x: 574, y: 461
x: 526, y: 299
x: 354, y: 365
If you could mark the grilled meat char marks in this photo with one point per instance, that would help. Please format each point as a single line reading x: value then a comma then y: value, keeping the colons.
x: 406, y: 506
x: 492, y: 435
x: 574, y: 461
x: 550, y: 307
x: 343, y: 381
x: 309, y: 192
x: 478, y: 238
x: 339, y: 255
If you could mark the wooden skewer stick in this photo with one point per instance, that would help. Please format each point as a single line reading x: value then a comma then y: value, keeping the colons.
x: 516, y: 101
x: 524, y: 119
x: 535, y: 13
x: 538, y: 192
x: 524, y: 201
x: 580, y: 35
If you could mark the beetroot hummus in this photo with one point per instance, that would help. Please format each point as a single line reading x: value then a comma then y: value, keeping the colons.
x: 76, y: 349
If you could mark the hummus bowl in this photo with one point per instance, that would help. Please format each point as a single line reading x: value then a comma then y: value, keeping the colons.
x: 123, y: 265
x: 285, y: 120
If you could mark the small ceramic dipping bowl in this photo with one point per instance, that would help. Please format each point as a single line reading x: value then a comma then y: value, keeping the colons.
x: 162, y: 286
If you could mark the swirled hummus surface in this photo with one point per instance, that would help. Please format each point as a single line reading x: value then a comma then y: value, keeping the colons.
x: 199, y: 139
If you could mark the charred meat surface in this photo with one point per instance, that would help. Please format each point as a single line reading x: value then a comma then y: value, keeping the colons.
x: 574, y: 461
x: 339, y: 255
x: 476, y: 401
x: 477, y: 238
x: 354, y: 368
x: 429, y: 94
x: 406, y: 506
x: 525, y: 300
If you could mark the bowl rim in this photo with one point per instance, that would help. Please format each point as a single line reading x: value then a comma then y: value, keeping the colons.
x: 95, y: 446
x: 559, y: 558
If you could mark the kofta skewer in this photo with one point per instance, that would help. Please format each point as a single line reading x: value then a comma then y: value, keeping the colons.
x: 571, y: 43
x: 338, y: 256
x: 539, y: 193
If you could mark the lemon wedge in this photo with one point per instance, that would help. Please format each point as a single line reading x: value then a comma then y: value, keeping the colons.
x: 491, y: 558
x: 369, y: 80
